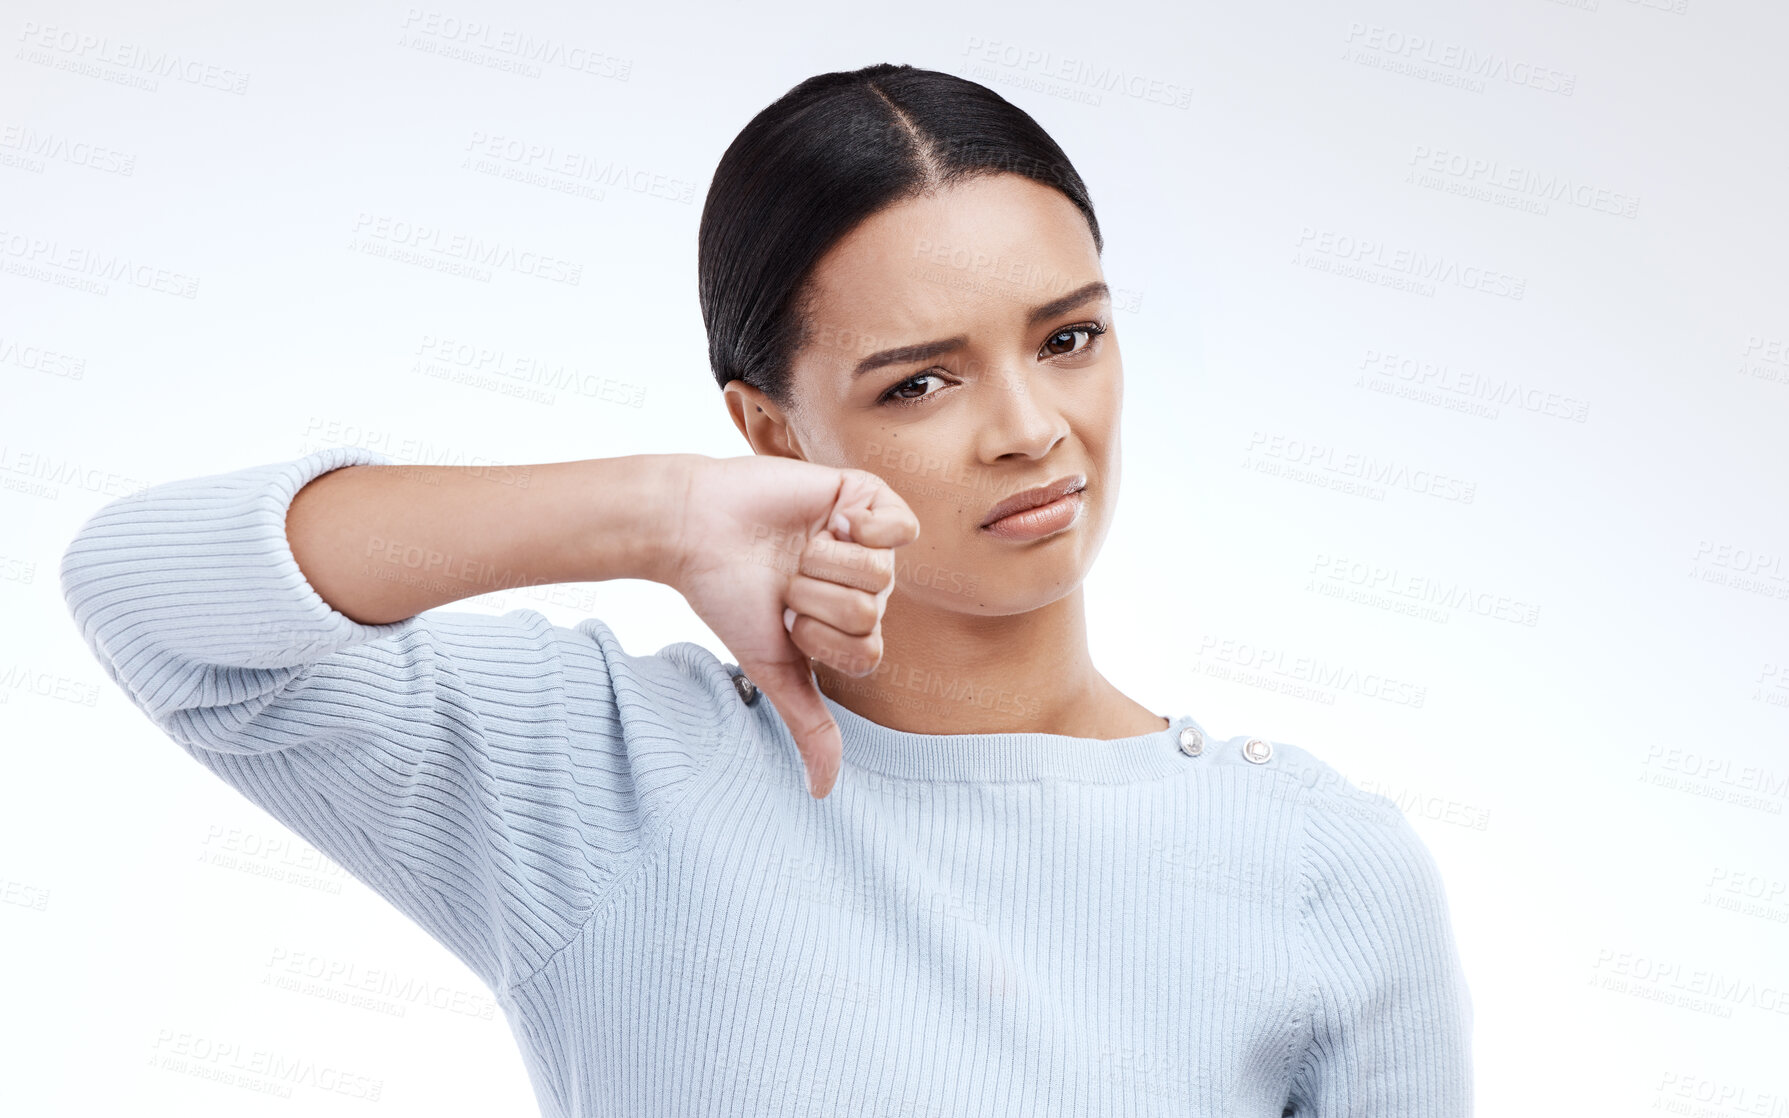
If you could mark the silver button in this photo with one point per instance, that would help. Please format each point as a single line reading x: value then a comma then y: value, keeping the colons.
x: 746, y: 688
x: 1257, y: 750
x: 1192, y: 742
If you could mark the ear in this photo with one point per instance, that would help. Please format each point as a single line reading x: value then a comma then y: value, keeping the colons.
x: 765, y: 426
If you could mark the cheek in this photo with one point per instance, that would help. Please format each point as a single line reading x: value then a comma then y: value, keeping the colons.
x: 1104, y: 417
x: 932, y: 476
x: 943, y: 510
x: 948, y: 510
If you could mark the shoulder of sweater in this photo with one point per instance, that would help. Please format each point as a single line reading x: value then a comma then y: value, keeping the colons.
x: 683, y: 684
x: 1296, y: 764
x: 1356, y: 841
x: 1326, y: 793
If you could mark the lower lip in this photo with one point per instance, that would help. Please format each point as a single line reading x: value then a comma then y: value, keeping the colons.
x: 1044, y: 520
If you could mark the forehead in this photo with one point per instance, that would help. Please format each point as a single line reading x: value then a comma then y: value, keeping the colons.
x: 980, y: 253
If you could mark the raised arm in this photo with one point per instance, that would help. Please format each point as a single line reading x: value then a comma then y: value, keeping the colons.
x: 490, y: 776
x: 381, y: 543
x: 785, y: 560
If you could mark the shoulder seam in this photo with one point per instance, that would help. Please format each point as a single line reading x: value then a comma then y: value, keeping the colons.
x: 660, y: 825
x: 1304, y: 1023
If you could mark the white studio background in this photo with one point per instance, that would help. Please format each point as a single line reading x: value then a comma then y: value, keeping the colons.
x: 1458, y: 352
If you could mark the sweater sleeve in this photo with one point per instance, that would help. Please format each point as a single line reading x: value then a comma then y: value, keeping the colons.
x: 491, y: 777
x: 1390, y: 1012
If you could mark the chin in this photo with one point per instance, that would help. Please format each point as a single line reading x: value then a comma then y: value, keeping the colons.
x: 1015, y: 600
x: 1011, y: 579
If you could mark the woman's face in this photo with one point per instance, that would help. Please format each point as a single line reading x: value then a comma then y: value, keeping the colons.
x: 960, y: 347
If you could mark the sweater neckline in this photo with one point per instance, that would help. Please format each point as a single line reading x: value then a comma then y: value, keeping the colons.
x: 1010, y: 756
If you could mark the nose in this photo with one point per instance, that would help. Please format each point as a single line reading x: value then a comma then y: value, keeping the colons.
x: 1019, y: 417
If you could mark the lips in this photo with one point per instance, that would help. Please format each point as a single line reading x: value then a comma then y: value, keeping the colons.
x: 1035, y: 496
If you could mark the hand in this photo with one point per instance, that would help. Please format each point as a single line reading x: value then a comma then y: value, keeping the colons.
x: 786, y: 561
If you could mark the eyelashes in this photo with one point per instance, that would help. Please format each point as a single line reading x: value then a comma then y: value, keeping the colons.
x: 1093, y: 330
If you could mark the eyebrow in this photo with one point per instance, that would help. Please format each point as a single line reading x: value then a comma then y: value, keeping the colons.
x: 924, y: 351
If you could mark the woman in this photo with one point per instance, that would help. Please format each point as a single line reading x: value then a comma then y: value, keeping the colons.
x: 1026, y: 893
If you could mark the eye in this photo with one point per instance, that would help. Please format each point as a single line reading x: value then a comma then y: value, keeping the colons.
x: 896, y: 393
x: 1091, y: 329
x: 902, y: 393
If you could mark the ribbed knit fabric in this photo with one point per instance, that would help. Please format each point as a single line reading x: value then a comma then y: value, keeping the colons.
x: 623, y: 848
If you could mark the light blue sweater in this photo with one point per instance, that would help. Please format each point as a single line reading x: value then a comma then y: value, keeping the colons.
x: 623, y: 848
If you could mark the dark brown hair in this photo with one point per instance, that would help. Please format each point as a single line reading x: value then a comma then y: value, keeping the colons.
x: 819, y: 160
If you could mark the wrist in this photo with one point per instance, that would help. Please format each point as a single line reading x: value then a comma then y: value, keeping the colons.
x: 665, y: 538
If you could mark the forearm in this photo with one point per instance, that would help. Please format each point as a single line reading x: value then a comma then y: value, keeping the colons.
x: 383, y: 543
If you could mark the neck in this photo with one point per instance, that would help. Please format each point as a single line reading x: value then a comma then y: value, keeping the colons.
x: 947, y: 672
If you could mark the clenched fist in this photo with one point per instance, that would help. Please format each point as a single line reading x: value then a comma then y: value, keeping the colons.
x: 786, y: 561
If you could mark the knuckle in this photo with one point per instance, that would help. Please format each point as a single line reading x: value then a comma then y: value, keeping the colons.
x: 864, y: 614
x: 852, y: 657
x: 870, y: 573
x: 866, y: 654
x: 851, y: 662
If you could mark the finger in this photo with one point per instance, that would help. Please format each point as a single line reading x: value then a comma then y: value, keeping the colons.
x: 845, y: 608
x: 839, y: 650
x: 854, y: 565
x: 869, y: 512
x: 791, y: 689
